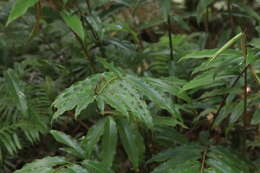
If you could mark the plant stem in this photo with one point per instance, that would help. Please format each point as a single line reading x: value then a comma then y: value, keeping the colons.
x: 207, y: 20
x: 226, y: 95
x: 170, y: 36
x: 244, y: 52
x: 88, y: 6
x: 203, y: 160
x: 230, y: 14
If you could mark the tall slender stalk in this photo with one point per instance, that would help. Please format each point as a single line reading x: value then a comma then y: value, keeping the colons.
x: 170, y: 36
x: 245, y: 115
x: 206, y: 23
x: 230, y: 14
x: 244, y: 52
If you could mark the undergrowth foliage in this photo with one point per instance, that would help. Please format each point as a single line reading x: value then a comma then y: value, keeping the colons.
x: 120, y: 89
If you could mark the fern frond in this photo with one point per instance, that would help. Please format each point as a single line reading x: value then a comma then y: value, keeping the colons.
x: 10, y: 135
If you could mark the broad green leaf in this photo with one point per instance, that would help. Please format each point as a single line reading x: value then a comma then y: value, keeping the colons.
x: 132, y: 142
x: 202, y: 80
x: 96, y: 167
x: 256, y: 117
x: 69, y: 141
x: 78, y: 96
x: 76, y: 169
x: 237, y: 112
x: 179, y: 162
x: 109, y: 142
x: 93, y: 136
x: 189, y: 166
x: 227, y: 161
x: 256, y: 43
x: 226, y: 110
x: 152, y: 94
x: 74, y: 22
x: 166, y: 121
x: 44, y: 165
x: 192, y: 150
x: 126, y: 99
x: 19, y: 8
x: 167, y: 86
x: 169, y: 135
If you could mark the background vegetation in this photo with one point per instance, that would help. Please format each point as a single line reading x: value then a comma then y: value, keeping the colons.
x: 149, y: 86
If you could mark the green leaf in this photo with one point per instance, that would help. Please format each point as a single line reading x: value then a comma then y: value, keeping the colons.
x: 227, y: 45
x: 226, y: 160
x: 177, y: 162
x: 256, y: 117
x: 78, y: 96
x: 109, y: 142
x: 189, y: 166
x: 96, y: 167
x: 69, y: 141
x: 19, y: 8
x: 74, y: 22
x: 126, y: 99
x: 202, y: 80
x: 256, y: 43
x: 192, y: 151
x: 76, y: 169
x: 152, y: 94
x: 237, y: 112
x: 93, y: 136
x: 206, y: 53
x: 44, y: 165
x: 132, y: 142
x: 166, y: 121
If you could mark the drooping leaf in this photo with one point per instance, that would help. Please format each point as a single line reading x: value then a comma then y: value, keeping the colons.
x: 152, y: 94
x: 109, y: 142
x: 237, y: 112
x: 256, y: 117
x: 44, y: 165
x: 256, y: 43
x: 93, y: 136
x: 19, y: 8
x: 69, y: 141
x: 132, y: 142
x: 176, y: 161
x: 123, y: 96
x: 96, y: 167
x: 78, y: 96
x: 76, y: 169
x: 74, y: 22
x: 202, y: 80
x: 226, y: 160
